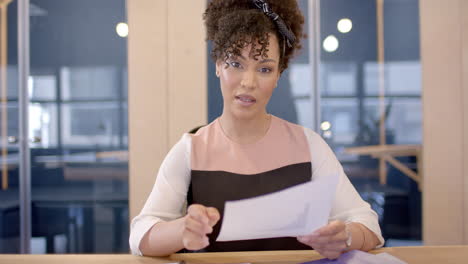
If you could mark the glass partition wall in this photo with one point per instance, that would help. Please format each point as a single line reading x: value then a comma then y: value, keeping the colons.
x: 75, y: 135
x: 9, y: 132
x: 357, y: 82
x: 370, y: 91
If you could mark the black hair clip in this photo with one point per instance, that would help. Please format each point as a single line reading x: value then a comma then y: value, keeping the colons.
x: 282, y: 27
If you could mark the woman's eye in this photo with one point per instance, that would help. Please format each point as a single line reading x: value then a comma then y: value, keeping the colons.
x: 235, y: 64
x: 265, y: 70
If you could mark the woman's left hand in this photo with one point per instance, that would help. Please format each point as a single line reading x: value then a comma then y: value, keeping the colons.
x: 329, y: 241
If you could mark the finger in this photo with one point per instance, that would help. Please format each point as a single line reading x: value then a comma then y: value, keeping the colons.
x: 332, y: 228
x: 332, y: 247
x: 317, y: 233
x: 337, y: 238
x: 323, y: 240
x: 304, y: 240
x: 331, y: 254
x: 312, y: 235
x: 198, y: 212
x: 336, y: 246
x: 193, y: 237
x: 311, y: 242
x: 340, y: 237
x: 328, y: 253
x: 213, y: 215
x: 197, y: 227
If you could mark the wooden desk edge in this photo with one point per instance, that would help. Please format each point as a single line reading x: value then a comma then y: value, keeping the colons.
x: 420, y: 254
x: 248, y: 256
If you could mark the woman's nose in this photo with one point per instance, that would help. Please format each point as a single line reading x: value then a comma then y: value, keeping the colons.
x: 249, y: 80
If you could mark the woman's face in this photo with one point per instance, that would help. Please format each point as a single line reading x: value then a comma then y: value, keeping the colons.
x: 247, y: 84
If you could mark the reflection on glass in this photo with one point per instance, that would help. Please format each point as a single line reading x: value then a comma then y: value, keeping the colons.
x: 9, y: 157
x: 90, y: 124
x: 330, y: 43
x: 300, y: 81
x: 122, y: 30
x: 338, y: 78
x: 354, y: 91
x: 402, y: 78
x: 325, y: 125
x: 89, y: 82
x: 345, y: 25
x: 299, y: 74
x: 78, y: 127
x: 124, y: 123
x: 42, y: 87
x: 403, y: 122
x: 11, y: 122
x: 43, y: 125
x: 342, y: 114
x: 303, y: 109
x: 12, y: 81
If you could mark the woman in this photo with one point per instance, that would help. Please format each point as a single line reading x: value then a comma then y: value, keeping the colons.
x: 247, y: 152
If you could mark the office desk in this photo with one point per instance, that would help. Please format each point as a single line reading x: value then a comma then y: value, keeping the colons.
x: 388, y: 153
x: 412, y: 255
x: 85, y: 200
x: 78, y: 198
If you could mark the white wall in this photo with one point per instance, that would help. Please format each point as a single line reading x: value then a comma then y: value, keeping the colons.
x: 167, y: 84
x: 444, y: 55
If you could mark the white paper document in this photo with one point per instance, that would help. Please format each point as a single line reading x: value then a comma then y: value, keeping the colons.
x: 298, y: 210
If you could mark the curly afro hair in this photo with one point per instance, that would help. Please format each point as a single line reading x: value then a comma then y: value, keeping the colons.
x: 234, y: 24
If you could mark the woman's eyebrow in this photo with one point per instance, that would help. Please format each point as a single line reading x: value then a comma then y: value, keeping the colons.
x: 267, y: 60
x: 262, y: 61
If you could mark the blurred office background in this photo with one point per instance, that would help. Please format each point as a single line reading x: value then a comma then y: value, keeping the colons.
x: 77, y: 126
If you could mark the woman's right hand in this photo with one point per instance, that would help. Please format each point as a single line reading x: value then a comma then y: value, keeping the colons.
x: 198, y: 222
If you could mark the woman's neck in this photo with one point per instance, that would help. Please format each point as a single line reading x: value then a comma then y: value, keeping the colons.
x: 245, y: 131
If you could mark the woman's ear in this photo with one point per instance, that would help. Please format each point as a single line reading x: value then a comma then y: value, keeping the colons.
x: 218, y: 69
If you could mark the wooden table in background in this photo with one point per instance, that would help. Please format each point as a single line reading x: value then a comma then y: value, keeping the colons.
x: 388, y: 153
x: 411, y: 255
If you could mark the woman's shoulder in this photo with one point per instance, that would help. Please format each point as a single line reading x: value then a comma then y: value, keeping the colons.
x: 285, y: 124
x: 204, y: 132
x: 182, y: 146
x: 312, y: 137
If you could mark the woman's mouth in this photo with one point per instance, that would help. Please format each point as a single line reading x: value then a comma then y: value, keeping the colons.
x: 245, y: 100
